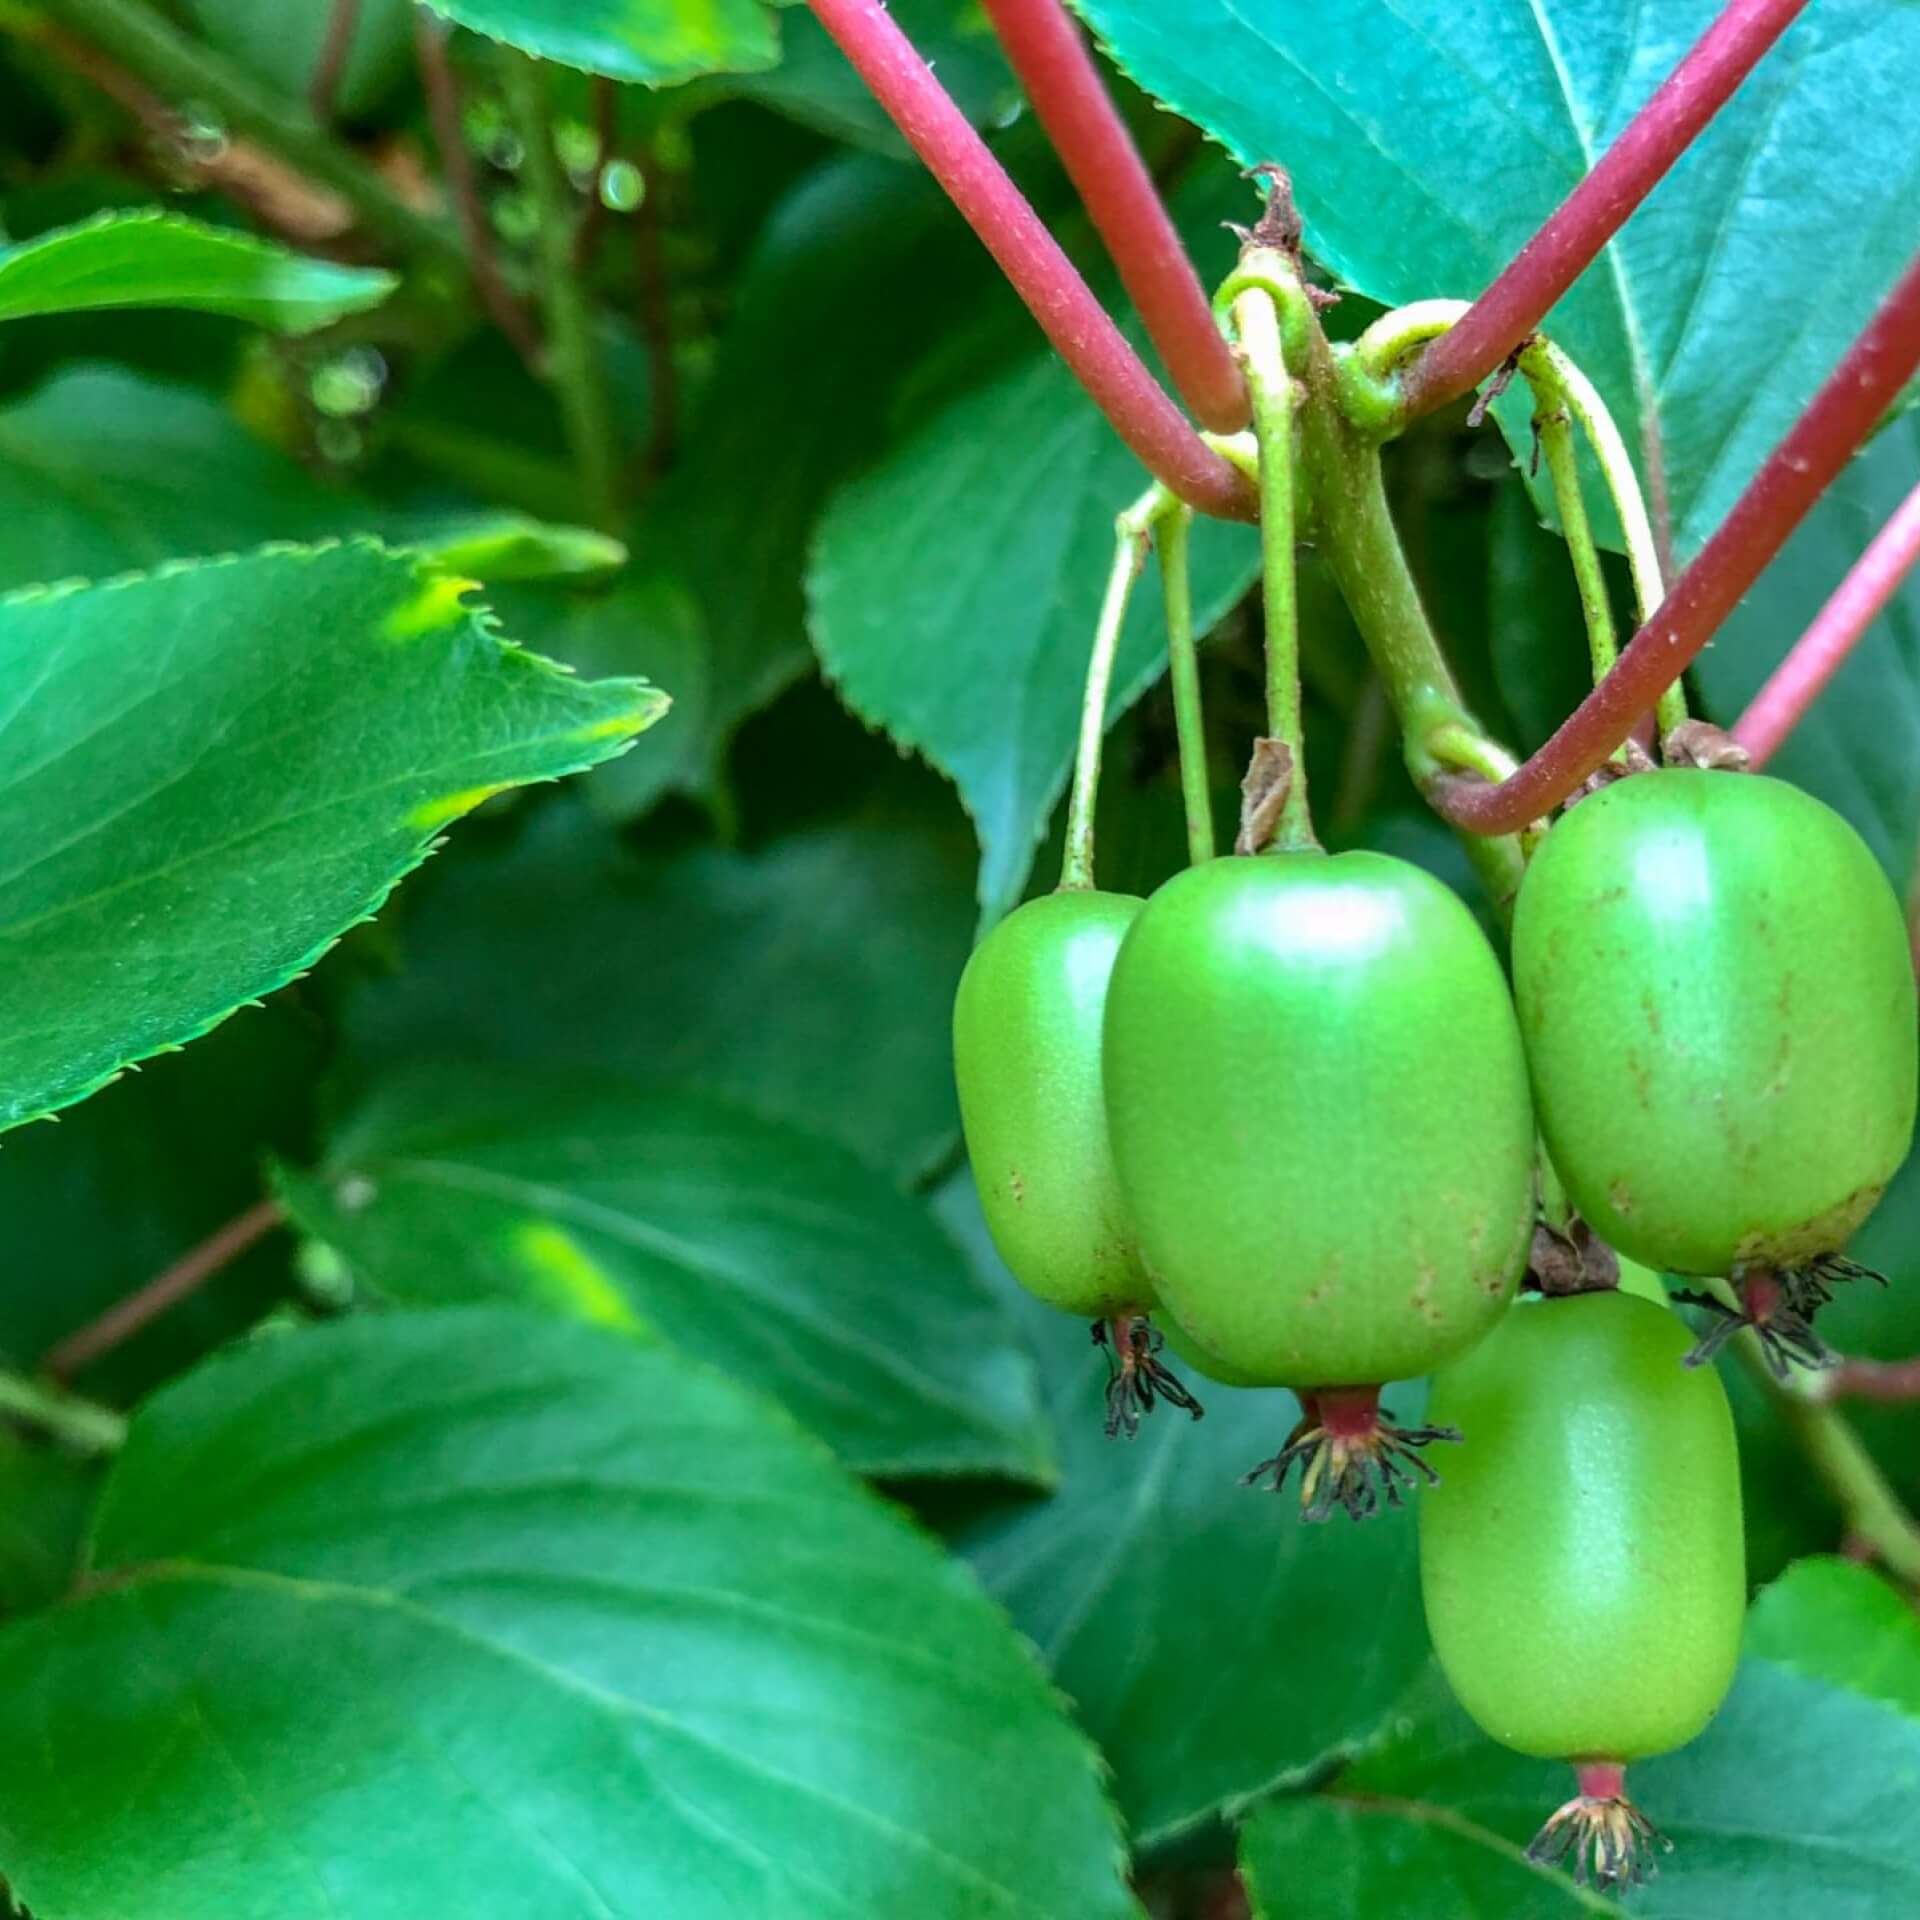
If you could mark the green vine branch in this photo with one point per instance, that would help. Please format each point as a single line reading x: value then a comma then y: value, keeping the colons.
x: 1872, y: 1511
x: 1257, y: 320
x: 1173, y: 542
x: 1133, y: 531
x: 83, y: 1425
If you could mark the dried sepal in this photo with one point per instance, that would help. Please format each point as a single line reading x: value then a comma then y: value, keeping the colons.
x: 1606, y: 1839
x: 1137, y: 1378
x: 1351, y: 1456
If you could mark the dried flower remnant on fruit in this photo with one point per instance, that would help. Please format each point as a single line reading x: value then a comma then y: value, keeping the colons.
x: 1608, y: 1840
x: 1699, y: 743
x: 1778, y: 1305
x: 1137, y: 1378
x: 1263, y: 795
x: 1573, y: 1260
x: 1350, y: 1455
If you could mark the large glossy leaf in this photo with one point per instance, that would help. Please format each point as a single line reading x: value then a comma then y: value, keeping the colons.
x: 1211, y: 1642
x: 1429, y: 138
x: 148, y: 258
x: 1799, y: 1797
x: 647, y: 41
x: 477, y: 1612
x: 1858, y: 747
x: 811, y: 978
x: 207, y: 774
x: 769, y: 1252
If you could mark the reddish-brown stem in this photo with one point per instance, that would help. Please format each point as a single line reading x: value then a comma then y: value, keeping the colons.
x: 185, y: 1277
x: 1063, y: 83
x: 1601, y: 1779
x: 1816, y: 656
x: 343, y: 17
x: 1598, y: 207
x: 456, y: 165
x: 1838, y: 418
x: 1884, y: 1380
x: 1081, y: 331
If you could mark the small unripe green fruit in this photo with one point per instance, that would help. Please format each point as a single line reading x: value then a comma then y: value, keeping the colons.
x: 1026, y: 1054
x: 1583, y: 1562
x: 1320, y: 1116
x: 1716, y: 990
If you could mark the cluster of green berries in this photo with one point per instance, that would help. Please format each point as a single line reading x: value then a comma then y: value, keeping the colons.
x: 1286, y: 1115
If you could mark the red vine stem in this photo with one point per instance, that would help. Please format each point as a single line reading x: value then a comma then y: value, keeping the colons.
x: 1063, y: 83
x: 1598, y: 207
x: 179, y: 1282
x: 1081, y: 331
x: 1797, y: 681
x: 1884, y: 1380
x: 1838, y: 418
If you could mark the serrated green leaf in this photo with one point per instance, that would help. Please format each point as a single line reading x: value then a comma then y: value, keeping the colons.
x: 477, y: 1612
x: 1427, y: 140
x: 649, y: 42
x: 1801, y: 1796
x: 647, y: 623
x: 1858, y: 746
x: 953, y: 587
x: 743, y: 973
x: 208, y: 773
x: 1841, y: 1623
x: 766, y: 1251
x: 1211, y: 1642
x: 148, y: 258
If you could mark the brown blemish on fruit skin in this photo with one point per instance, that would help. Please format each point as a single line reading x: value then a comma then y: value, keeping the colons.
x: 1826, y: 1232
x: 1620, y: 1197
x: 1651, y: 1008
x: 1642, y: 1078
x: 1016, y: 1186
